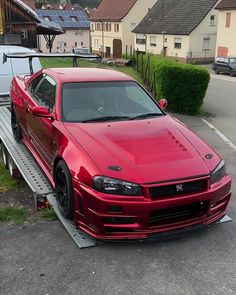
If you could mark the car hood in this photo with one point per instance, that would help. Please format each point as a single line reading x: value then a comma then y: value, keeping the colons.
x: 146, y: 150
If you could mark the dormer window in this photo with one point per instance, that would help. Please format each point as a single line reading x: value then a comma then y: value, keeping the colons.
x: 74, y: 18
x: 47, y: 18
x: 61, y: 18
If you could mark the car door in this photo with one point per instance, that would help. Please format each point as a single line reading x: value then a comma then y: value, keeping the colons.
x: 40, y: 129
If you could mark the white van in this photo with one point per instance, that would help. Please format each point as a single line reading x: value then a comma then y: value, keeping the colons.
x: 14, y: 67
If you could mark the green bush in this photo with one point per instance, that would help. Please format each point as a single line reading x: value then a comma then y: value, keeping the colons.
x: 184, y: 86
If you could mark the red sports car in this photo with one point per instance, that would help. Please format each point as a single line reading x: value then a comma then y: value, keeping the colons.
x: 122, y: 168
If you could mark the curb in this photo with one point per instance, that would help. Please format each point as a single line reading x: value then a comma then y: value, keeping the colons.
x: 223, y: 78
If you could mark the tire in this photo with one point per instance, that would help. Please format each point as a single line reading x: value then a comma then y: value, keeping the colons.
x: 15, y: 126
x: 13, y: 170
x: 231, y: 73
x: 64, y: 190
x: 4, y: 155
x: 217, y: 72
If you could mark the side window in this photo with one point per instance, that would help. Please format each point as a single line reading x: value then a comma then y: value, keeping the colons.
x: 33, y: 85
x: 45, y: 92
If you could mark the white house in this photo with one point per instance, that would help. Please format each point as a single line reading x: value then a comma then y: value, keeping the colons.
x: 183, y: 29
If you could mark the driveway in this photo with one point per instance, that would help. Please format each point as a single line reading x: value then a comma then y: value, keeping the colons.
x: 42, y: 259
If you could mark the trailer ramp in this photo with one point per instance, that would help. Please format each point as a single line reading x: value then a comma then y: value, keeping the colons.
x: 35, y: 178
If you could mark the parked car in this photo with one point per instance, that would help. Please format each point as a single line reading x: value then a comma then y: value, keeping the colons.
x: 13, y: 67
x: 121, y: 167
x: 225, y: 65
x: 87, y: 55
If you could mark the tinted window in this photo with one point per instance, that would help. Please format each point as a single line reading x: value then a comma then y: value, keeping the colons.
x: 84, y: 101
x: 44, y: 93
x: 35, y: 83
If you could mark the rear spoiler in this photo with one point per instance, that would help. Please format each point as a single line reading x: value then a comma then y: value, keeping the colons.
x: 30, y: 56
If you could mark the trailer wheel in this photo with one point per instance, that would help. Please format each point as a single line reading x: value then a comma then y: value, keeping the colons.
x: 4, y: 155
x: 64, y: 190
x: 13, y: 170
x: 15, y: 126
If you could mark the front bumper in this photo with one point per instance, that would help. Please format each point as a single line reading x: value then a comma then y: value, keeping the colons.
x: 134, y: 218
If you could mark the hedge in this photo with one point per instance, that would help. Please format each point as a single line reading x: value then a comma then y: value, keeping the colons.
x: 184, y: 86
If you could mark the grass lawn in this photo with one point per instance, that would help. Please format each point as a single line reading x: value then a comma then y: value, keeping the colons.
x: 13, y: 215
x: 6, y: 182
x: 67, y: 63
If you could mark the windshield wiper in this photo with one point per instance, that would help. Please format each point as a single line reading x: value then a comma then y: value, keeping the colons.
x: 147, y: 115
x: 105, y: 118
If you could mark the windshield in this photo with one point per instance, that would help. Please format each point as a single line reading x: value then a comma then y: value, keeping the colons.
x: 102, y: 101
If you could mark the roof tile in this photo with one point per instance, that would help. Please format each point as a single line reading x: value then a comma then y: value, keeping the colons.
x: 113, y: 9
x: 226, y: 4
x: 175, y: 17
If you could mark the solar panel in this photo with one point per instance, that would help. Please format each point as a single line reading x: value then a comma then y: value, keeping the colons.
x: 82, y: 22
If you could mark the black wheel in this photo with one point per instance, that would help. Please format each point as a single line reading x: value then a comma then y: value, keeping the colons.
x: 64, y: 190
x: 4, y: 155
x: 216, y: 72
x: 15, y: 126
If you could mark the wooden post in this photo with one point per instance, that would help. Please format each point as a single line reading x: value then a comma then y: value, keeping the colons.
x: 137, y: 59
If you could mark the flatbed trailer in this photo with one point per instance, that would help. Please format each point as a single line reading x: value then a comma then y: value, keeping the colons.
x: 18, y: 159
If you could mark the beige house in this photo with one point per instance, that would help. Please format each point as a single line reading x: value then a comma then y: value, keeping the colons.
x: 182, y: 29
x: 226, y: 43
x: 112, y: 24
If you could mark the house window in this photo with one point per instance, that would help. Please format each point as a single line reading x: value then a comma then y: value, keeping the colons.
x: 75, y: 44
x: 82, y: 43
x: 81, y: 33
x: 92, y: 27
x: 76, y: 33
x: 74, y: 18
x: 177, y: 43
x: 61, y: 18
x: 228, y: 19
x: 212, y: 20
x: 24, y: 34
x: 98, y: 27
x: 153, y: 41
x: 133, y: 25
x: 140, y: 39
x: 117, y: 28
x: 206, y: 43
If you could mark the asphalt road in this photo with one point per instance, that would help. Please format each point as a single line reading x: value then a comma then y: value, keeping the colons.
x: 42, y: 259
x: 220, y: 103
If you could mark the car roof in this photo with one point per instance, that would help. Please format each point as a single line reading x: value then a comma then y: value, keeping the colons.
x: 14, y: 49
x: 66, y: 75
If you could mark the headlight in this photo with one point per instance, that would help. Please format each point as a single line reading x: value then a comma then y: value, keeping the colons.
x: 116, y: 187
x: 218, y: 173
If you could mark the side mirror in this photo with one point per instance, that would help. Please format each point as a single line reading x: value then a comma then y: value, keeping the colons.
x: 41, y: 112
x: 163, y: 103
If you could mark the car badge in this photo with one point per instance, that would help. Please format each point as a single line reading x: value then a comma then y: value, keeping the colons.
x: 179, y: 188
x: 115, y: 168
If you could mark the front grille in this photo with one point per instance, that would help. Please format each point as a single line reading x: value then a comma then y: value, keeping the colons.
x: 178, y: 189
x: 177, y: 214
